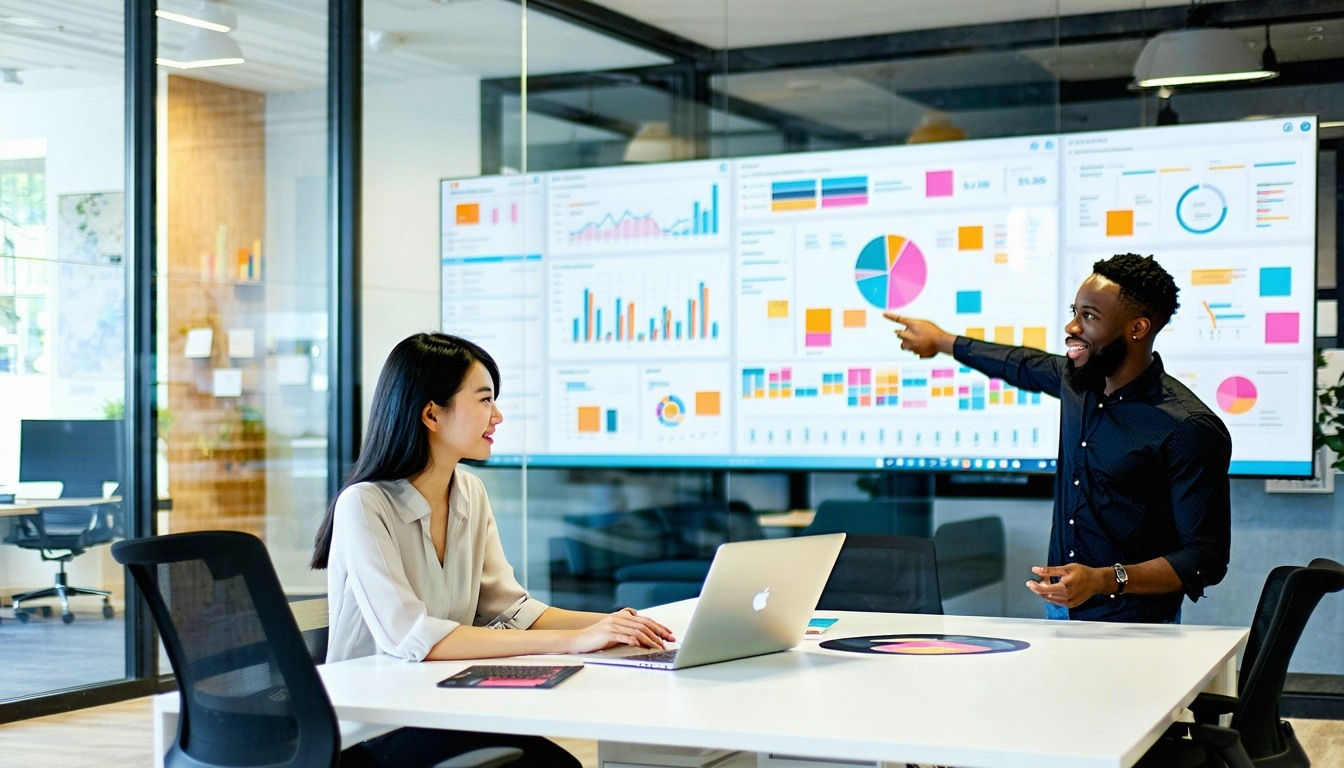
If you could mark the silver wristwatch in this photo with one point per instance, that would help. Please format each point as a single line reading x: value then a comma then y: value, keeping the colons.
x: 1121, y: 579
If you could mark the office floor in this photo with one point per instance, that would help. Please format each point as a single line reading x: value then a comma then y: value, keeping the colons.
x: 91, y: 649
x: 122, y: 734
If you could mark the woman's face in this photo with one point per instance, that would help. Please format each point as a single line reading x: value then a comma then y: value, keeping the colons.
x: 468, y: 422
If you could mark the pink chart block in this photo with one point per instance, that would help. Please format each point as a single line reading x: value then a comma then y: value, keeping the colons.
x: 843, y: 201
x: 938, y: 184
x: 1281, y: 327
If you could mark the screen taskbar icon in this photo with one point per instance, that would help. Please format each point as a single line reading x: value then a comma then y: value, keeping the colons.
x: 956, y: 463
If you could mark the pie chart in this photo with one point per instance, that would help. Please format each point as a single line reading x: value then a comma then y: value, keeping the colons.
x: 1236, y: 395
x: 890, y: 272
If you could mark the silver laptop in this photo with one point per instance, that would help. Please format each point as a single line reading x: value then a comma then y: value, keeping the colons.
x: 757, y: 599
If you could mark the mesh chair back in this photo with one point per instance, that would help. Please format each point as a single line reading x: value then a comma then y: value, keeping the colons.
x: 250, y: 693
x: 1290, y: 595
x: 890, y: 574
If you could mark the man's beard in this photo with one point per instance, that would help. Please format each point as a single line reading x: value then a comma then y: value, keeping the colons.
x: 1091, y: 376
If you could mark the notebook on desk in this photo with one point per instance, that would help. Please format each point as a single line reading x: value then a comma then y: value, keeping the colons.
x: 757, y: 599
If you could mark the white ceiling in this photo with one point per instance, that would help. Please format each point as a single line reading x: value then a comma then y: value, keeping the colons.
x: 79, y: 43
x: 746, y: 23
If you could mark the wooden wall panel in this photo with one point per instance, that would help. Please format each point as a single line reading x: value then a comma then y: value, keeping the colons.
x: 216, y: 165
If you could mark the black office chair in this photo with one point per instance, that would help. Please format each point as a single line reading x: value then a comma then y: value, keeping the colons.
x: 1257, y: 737
x: 891, y: 574
x: 60, y: 534
x: 971, y: 554
x: 885, y: 516
x: 691, y: 532
x: 250, y: 693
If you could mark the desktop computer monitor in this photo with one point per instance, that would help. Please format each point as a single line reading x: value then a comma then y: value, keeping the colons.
x: 81, y: 453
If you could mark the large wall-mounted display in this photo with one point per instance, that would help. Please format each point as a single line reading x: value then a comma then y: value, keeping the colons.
x: 728, y: 313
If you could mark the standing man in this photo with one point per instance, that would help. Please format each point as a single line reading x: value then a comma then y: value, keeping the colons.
x: 1142, y: 513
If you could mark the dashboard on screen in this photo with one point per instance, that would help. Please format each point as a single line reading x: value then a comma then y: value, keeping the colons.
x: 728, y: 313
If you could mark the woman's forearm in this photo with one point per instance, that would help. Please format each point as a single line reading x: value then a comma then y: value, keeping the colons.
x: 487, y: 643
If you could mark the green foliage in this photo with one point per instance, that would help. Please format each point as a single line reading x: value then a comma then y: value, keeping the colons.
x: 1329, y: 431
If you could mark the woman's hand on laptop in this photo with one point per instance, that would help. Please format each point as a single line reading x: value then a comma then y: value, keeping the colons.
x: 624, y: 627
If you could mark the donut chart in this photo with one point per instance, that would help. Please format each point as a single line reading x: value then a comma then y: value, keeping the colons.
x: 890, y: 272
x: 1201, y: 209
x: 671, y: 411
x: 1237, y: 395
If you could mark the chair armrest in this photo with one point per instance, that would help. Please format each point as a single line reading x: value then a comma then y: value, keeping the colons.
x: 1208, y: 707
x: 1225, y: 741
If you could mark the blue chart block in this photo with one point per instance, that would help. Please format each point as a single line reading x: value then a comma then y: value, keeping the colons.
x: 968, y: 302
x: 1276, y: 281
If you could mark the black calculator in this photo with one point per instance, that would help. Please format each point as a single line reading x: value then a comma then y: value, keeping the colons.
x: 510, y: 676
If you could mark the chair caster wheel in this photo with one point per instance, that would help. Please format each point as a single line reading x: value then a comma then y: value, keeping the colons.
x: 107, y: 612
x: 22, y: 616
x: 67, y: 617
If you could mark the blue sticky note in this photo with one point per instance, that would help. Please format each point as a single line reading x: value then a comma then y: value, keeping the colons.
x: 1276, y: 281
x: 968, y: 302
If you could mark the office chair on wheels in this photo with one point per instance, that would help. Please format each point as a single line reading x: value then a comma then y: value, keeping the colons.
x: 60, y: 534
x: 1258, y: 737
x: 82, y: 455
x: 250, y: 692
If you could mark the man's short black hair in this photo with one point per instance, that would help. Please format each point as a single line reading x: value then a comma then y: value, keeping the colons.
x: 1144, y: 285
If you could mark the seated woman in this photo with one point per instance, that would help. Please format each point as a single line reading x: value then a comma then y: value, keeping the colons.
x: 414, y: 564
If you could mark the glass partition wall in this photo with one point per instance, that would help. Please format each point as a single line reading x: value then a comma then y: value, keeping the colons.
x: 63, y: 270
x: 735, y: 78
x: 244, y: 275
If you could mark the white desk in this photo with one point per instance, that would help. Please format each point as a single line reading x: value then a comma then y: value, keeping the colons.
x: 33, y: 506
x: 1084, y: 695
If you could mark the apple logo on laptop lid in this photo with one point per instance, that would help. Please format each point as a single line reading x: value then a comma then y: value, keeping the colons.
x: 758, y: 602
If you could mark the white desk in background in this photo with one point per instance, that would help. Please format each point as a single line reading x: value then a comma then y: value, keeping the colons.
x: 23, y: 507
x: 1083, y: 695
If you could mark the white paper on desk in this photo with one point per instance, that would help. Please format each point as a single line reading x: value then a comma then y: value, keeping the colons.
x: 292, y: 369
x: 242, y: 343
x: 228, y: 382
x: 199, y: 341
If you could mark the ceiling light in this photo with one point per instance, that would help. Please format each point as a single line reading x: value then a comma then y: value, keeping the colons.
x: 211, y: 16
x: 654, y: 143
x: 1198, y: 57
x: 206, y: 49
x: 935, y: 126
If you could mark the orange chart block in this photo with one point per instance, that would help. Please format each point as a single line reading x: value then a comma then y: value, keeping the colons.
x: 855, y: 318
x: 818, y: 321
x: 1119, y: 223
x: 468, y: 213
x: 707, y: 404
x: 1004, y: 334
x: 590, y: 418
x: 1212, y: 276
x: 975, y: 333
x: 970, y: 238
x: 1034, y: 337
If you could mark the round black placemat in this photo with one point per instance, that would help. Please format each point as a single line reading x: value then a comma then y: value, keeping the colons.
x: 925, y: 645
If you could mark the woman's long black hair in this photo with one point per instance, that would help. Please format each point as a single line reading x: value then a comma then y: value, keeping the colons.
x: 424, y: 368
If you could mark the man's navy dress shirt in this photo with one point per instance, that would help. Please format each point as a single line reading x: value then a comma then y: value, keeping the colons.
x: 1142, y: 474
